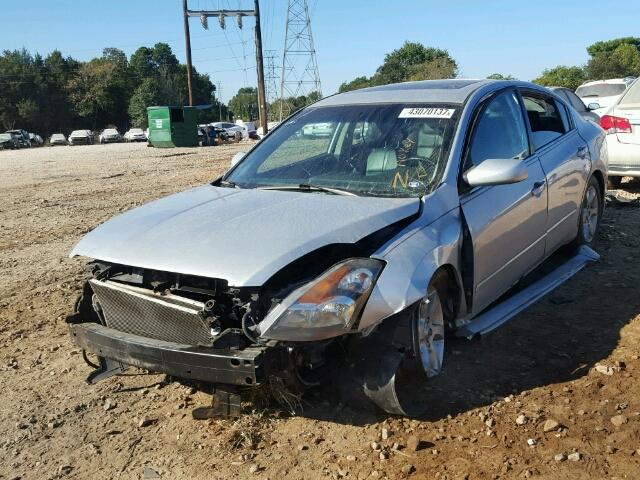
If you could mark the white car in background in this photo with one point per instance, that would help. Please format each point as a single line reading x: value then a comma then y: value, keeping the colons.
x: 110, y: 135
x: 57, y: 139
x: 135, y: 135
x: 601, y: 94
x: 324, y: 129
x: 81, y: 137
x: 237, y: 132
x: 270, y: 126
x: 621, y: 121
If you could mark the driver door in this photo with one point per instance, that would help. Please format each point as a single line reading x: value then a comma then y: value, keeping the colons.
x: 507, y: 223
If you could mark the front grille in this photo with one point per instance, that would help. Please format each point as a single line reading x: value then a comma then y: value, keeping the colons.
x: 142, y: 312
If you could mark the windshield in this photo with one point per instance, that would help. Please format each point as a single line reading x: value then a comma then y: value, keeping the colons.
x: 601, y: 90
x: 377, y: 150
x: 136, y: 130
x: 110, y: 131
x: 78, y: 133
x: 5, y: 136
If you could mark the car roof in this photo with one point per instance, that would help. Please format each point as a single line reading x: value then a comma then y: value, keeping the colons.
x: 454, y: 91
x: 609, y: 80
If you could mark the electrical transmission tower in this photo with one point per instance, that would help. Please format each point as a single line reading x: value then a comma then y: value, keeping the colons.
x: 299, y: 67
x: 271, y: 81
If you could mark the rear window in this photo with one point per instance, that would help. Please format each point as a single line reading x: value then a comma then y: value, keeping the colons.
x: 601, y: 90
x: 632, y: 97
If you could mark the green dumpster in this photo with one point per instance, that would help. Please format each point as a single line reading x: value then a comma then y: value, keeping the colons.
x: 173, y: 126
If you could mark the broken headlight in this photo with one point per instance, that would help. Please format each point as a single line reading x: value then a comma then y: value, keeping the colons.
x: 326, y: 307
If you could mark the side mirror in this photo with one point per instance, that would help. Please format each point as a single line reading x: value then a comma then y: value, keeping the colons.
x: 593, y: 106
x: 496, y: 172
x: 237, y: 157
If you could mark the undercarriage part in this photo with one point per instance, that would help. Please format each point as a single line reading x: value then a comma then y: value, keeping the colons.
x: 225, y: 402
x: 387, y: 378
x: 108, y: 368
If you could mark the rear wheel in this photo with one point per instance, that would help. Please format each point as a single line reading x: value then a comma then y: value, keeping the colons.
x: 590, y: 214
x: 614, y: 183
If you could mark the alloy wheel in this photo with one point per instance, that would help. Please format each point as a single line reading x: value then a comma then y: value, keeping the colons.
x: 430, y: 333
x: 590, y: 213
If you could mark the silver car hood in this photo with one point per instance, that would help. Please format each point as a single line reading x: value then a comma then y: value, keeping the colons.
x: 241, y: 235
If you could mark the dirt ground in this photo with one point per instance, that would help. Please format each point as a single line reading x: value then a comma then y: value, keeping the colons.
x: 569, y: 363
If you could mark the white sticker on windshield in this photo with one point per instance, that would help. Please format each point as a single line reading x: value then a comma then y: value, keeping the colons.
x: 422, y: 112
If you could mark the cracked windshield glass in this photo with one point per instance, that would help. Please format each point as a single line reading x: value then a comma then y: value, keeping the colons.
x: 382, y: 150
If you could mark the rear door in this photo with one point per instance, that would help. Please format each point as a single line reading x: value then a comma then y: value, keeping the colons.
x: 629, y: 108
x: 564, y: 157
x: 507, y: 223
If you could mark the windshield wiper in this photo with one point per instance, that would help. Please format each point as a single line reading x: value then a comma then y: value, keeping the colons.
x: 305, y: 187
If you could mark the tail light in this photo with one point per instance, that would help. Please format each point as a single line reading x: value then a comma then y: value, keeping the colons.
x: 613, y: 124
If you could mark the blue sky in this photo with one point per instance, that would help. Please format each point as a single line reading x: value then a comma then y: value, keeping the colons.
x: 351, y: 37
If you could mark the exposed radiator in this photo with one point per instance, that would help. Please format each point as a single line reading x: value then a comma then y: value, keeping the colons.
x: 142, y: 312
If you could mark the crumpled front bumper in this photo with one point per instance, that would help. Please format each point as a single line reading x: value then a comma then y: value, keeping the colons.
x: 221, y: 366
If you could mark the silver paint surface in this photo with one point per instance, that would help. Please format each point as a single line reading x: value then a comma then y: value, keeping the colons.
x: 241, y: 235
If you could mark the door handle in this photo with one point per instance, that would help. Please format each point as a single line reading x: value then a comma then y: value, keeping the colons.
x: 583, y: 153
x: 538, y: 188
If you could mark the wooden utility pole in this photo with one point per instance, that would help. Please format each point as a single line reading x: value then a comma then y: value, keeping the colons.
x: 187, y: 42
x: 262, y: 98
x: 221, y: 15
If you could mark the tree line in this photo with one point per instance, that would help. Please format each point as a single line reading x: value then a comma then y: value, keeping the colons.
x: 617, y: 58
x: 59, y: 94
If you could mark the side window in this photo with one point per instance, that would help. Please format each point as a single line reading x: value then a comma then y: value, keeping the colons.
x: 544, y: 118
x: 500, y: 132
x: 576, y: 102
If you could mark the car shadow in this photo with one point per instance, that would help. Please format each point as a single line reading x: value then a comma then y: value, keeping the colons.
x: 557, y: 340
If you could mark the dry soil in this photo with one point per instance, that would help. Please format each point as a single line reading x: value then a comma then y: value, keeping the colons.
x: 572, y: 359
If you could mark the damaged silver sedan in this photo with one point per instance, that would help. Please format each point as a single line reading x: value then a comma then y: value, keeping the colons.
x: 407, y: 221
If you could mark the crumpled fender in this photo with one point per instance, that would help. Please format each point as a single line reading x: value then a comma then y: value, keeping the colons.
x: 411, y: 262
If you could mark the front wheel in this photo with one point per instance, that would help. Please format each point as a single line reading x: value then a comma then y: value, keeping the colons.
x: 428, y: 329
x: 590, y: 214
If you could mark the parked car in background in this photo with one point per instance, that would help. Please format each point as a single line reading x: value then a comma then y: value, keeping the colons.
x: 573, y: 100
x: 110, y: 135
x: 599, y: 95
x: 36, y: 140
x: 270, y: 126
x: 252, y: 131
x: 417, y: 229
x: 23, y: 137
x: 81, y: 137
x: 324, y: 129
x: 621, y: 122
x: 9, y: 141
x: 234, y: 131
x: 57, y: 139
x: 135, y: 135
